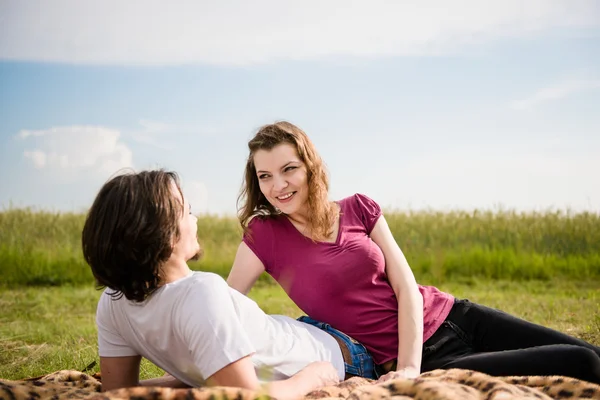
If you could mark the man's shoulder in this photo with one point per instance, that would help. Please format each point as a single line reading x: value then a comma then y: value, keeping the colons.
x: 197, y: 288
x: 206, y: 280
x: 109, y: 298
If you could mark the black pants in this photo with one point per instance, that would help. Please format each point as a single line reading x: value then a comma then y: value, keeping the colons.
x: 496, y: 343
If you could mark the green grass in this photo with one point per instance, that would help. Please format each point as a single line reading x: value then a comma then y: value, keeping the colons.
x: 44, y: 329
x: 43, y: 248
x: 544, y: 267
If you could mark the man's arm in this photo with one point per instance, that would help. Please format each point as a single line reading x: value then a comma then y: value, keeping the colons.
x: 120, y: 372
x: 221, y: 348
x: 124, y: 372
x: 241, y: 374
x: 166, y: 380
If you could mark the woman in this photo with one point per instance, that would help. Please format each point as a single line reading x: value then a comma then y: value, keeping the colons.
x: 137, y: 238
x: 339, y: 262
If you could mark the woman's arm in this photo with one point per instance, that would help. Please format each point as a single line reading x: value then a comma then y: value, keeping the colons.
x: 241, y: 374
x: 246, y: 269
x: 410, y: 303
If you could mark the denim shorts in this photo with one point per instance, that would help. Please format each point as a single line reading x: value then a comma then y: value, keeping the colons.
x: 361, y: 363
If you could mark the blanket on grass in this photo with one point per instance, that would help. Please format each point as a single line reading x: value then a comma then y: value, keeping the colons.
x: 439, y: 384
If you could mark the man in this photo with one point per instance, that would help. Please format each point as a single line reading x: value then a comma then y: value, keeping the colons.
x: 138, y: 236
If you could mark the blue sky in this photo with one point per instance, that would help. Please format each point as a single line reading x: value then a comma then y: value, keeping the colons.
x: 441, y: 105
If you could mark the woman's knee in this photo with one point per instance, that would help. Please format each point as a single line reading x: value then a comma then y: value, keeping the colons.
x: 585, y: 360
x: 582, y: 354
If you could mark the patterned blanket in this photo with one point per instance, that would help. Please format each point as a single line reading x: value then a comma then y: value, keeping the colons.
x: 440, y: 384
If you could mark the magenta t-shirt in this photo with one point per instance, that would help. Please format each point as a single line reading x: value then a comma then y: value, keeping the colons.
x: 344, y: 283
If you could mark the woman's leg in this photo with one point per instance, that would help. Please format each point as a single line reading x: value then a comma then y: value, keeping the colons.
x: 559, y: 359
x: 491, y: 341
x: 489, y: 329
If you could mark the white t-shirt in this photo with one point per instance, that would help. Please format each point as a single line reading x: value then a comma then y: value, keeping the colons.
x: 197, y: 325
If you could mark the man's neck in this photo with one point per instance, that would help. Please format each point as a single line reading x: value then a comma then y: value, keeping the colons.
x: 174, y: 270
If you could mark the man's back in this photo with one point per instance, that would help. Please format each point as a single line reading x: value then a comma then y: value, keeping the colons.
x: 197, y: 325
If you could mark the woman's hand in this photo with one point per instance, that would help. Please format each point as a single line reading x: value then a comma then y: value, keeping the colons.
x: 404, y: 373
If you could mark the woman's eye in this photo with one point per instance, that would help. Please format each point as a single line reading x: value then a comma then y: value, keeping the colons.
x: 263, y: 176
x: 291, y: 167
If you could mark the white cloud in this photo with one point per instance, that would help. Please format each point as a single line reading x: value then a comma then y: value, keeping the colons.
x: 77, y: 150
x: 230, y: 32
x: 155, y: 126
x: 162, y: 135
x: 154, y: 133
x: 38, y: 157
x: 555, y: 92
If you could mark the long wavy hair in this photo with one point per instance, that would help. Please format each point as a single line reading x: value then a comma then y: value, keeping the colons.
x: 251, y: 202
x: 130, y: 231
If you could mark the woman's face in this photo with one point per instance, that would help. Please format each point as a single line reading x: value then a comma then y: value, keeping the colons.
x: 283, y: 178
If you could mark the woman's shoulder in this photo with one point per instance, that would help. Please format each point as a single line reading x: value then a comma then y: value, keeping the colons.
x: 358, y: 201
x: 263, y: 228
x: 362, y: 209
x: 261, y: 221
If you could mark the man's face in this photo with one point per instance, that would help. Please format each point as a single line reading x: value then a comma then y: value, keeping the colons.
x: 187, y: 247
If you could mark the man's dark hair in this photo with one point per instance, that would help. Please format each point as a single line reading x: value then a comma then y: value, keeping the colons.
x: 130, y: 230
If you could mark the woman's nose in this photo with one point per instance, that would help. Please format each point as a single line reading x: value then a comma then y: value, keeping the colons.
x: 280, y: 183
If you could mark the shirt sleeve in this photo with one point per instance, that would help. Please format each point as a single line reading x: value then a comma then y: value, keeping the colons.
x: 368, y: 210
x: 212, y: 327
x: 260, y: 241
x: 110, y: 342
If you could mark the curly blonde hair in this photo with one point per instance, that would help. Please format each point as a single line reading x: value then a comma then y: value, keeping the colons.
x: 251, y: 201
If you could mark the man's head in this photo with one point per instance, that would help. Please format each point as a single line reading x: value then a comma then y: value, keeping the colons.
x: 137, y: 222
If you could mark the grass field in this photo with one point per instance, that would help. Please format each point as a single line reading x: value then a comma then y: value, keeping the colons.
x: 544, y: 267
x: 44, y: 329
x: 40, y: 248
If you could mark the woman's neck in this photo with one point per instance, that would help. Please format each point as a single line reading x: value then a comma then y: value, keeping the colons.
x: 297, y: 218
x: 301, y: 222
x: 300, y: 217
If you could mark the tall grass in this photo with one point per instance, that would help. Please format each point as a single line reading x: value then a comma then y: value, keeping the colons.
x: 43, y: 248
x: 500, y: 245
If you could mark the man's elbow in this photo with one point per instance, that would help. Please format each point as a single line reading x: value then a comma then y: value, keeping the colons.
x: 107, y: 386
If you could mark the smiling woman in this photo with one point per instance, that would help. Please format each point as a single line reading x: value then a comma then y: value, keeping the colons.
x: 282, y: 177
x: 281, y: 173
x: 339, y: 262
